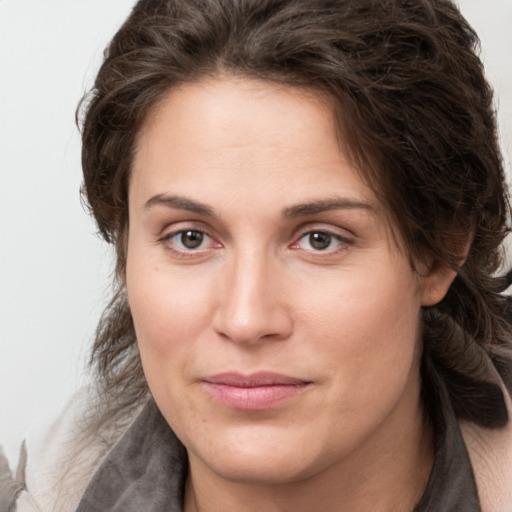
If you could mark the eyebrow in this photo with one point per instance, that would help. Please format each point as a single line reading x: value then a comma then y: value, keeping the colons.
x: 314, y: 207
x: 182, y: 203
x: 298, y: 210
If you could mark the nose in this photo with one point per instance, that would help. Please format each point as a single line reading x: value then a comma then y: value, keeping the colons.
x: 253, y: 305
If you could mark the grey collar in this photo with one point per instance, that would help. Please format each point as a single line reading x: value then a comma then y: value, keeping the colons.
x: 144, y: 471
x: 452, y: 486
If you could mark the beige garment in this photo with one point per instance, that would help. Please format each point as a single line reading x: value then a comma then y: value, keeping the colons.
x: 60, y: 460
x: 490, y: 451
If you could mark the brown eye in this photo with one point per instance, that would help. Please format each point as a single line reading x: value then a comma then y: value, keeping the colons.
x: 191, y: 239
x: 320, y: 241
x: 189, y: 243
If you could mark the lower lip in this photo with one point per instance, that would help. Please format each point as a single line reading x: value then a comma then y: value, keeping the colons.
x: 256, y: 398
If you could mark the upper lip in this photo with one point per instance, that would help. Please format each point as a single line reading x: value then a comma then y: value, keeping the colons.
x: 253, y: 380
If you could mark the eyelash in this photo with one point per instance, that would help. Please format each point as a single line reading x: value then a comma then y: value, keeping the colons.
x: 166, y: 241
x: 342, y: 243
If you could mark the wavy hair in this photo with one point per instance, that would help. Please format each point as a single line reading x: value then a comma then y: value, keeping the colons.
x: 414, y: 112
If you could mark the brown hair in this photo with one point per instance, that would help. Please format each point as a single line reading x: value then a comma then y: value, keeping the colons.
x: 415, y: 113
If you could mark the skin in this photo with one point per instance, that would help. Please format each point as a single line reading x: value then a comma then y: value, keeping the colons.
x: 257, y: 295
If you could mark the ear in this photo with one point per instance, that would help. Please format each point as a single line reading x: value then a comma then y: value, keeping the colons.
x: 435, y: 285
x: 439, y: 277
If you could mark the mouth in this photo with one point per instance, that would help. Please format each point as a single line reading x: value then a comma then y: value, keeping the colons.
x: 256, y: 392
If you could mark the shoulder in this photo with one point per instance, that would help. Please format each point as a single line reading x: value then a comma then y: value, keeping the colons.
x: 59, y: 460
x: 490, y: 451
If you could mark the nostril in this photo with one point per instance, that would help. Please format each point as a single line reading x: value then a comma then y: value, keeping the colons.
x: 271, y: 327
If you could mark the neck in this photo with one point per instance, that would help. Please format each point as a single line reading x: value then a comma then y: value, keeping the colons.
x: 389, y: 473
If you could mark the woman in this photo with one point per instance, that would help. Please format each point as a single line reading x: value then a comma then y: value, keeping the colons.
x: 308, y: 206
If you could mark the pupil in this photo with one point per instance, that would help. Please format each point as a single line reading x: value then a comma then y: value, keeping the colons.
x: 319, y: 241
x: 191, y: 239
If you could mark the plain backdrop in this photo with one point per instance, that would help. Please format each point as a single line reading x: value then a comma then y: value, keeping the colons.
x: 55, y: 273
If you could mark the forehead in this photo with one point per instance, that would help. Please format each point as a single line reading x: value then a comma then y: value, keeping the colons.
x: 236, y: 112
x: 247, y: 139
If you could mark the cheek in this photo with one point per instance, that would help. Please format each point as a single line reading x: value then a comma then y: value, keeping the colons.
x: 365, y: 305
x: 368, y: 331
x: 169, y: 309
x: 159, y: 315
x: 169, y: 317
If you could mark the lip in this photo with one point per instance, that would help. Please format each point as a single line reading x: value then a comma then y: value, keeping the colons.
x: 255, y: 392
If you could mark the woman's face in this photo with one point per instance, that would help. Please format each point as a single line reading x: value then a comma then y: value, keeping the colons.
x: 278, y: 322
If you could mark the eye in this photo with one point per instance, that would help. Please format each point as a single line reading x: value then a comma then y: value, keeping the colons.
x: 188, y: 241
x: 320, y: 241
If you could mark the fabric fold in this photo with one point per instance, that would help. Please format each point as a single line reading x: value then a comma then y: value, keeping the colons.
x: 145, y: 470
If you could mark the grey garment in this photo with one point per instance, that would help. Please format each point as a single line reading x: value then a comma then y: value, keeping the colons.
x: 452, y: 486
x: 147, y: 469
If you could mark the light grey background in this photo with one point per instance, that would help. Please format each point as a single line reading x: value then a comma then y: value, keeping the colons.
x: 55, y: 274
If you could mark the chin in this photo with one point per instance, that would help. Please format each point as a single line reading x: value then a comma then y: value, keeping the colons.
x: 259, y: 458
x: 264, y: 470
